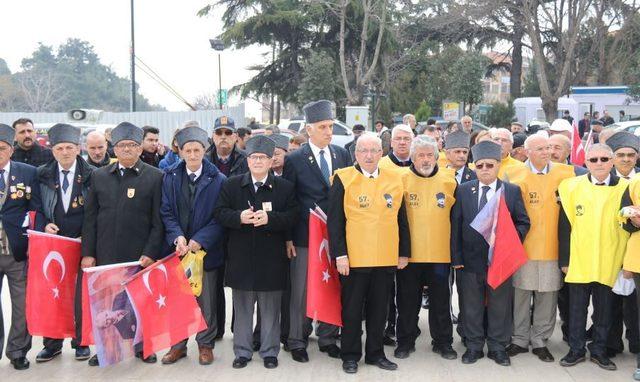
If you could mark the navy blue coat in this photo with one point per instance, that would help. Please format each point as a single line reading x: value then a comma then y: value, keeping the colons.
x: 468, y: 247
x: 13, y: 211
x: 206, y: 229
x: 301, y: 169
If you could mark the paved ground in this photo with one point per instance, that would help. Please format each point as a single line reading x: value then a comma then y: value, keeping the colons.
x: 423, y: 364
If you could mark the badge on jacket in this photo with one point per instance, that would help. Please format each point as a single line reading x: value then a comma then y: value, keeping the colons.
x: 131, y: 192
x: 440, y: 198
x: 389, y: 200
x: 266, y: 207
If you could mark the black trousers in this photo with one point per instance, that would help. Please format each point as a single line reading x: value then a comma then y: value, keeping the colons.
x: 410, y: 281
x: 563, y: 308
x: 392, y: 315
x: 624, y: 310
x: 579, y: 295
x: 499, y: 312
x: 56, y: 343
x: 221, y: 303
x: 636, y: 279
x: 370, y: 285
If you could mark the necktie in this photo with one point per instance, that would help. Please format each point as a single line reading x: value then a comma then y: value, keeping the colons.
x: 65, y: 181
x: 121, y: 171
x: 324, y: 166
x: 371, y: 177
x: 483, y: 197
x: 600, y: 184
x: 258, y: 185
x: 2, y: 182
x: 627, y: 177
x: 192, y: 177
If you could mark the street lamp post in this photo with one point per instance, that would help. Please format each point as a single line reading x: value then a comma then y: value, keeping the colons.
x: 373, y: 94
x: 218, y: 45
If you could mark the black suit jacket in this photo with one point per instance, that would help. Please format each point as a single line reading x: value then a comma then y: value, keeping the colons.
x: 468, y: 247
x: 468, y: 175
x: 311, y: 189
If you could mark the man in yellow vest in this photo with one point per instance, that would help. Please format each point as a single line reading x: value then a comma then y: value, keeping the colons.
x: 631, y: 263
x: 592, y: 244
x: 504, y: 138
x: 369, y: 238
x: 540, y: 278
x: 428, y: 195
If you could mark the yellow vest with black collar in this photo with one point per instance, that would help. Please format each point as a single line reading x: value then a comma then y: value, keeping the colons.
x: 598, y: 242
x: 540, y: 201
x: 428, y: 202
x: 371, y: 210
x: 506, y: 164
x: 387, y: 164
x: 632, y: 255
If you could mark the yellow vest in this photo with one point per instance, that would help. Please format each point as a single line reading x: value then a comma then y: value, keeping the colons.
x: 428, y: 202
x: 598, y: 241
x: 540, y: 201
x: 372, y: 221
x: 507, y: 163
x: 387, y: 164
x: 442, y: 159
x: 632, y: 255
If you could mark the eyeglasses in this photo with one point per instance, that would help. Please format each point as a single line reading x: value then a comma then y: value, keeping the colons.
x: 123, y: 146
x: 258, y: 158
x: 365, y: 152
x: 225, y: 132
x: 489, y: 166
x: 601, y: 159
x: 626, y: 155
x: 402, y: 139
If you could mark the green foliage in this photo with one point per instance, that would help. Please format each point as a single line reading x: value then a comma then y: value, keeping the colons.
x: 423, y: 112
x: 531, y: 87
x: 500, y: 115
x: 466, y: 84
x: 318, y: 79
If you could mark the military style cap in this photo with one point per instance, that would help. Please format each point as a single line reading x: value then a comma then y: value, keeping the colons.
x: 518, y: 140
x: 224, y: 122
x: 7, y: 134
x: 282, y: 142
x: 63, y: 133
x: 486, y: 150
x: 192, y: 134
x: 456, y: 140
x: 260, y: 144
x: 318, y: 111
x: 126, y: 131
x: 623, y: 139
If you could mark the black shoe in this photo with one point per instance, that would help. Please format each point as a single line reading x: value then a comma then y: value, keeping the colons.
x: 471, y: 356
x: 500, y: 357
x: 47, y: 355
x: 403, y: 352
x: 543, y: 354
x: 20, y: 363
x: 350, y: 367
x: 93, y: 361
x: 603, y: 361
x: 83, y: 353
x: 285, y: 347
x: 383, y: 363
x: 240, y: 362
x: 270, y: 362
x: 513, y: 350
x: 256, y: 346
x: 388, y: 340
x: 572, y: 359
x: 300, y: 355
x: 445, y: 351
x: 332, y: 350
x: 150, y: 359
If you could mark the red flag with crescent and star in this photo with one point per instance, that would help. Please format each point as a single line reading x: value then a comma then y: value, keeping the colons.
x: 168, y: 310
x: 323, y: 283
x: 53, y: 267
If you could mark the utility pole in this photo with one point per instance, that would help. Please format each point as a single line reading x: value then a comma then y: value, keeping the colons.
x: 133, y: 64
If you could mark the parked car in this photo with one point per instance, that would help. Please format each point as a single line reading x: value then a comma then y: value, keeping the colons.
x: 630, y: 126
x: 342, y: 133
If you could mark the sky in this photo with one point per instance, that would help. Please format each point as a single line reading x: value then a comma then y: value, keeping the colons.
x: 169, y: 37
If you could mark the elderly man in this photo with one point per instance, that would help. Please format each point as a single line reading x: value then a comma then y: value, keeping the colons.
x: 504, y: 138
x: 560, y: 150
x: 280, y: 151
x: 259, y: 210
x: 122, y: 210
x: 309, y: 169
x: 561, y: 126
x: 190, y: 191
x: 430, y: 251
x: 631, y: 265
x: 538, y: 281
x: 517, y: 127
x: 97, y: 150
x: 244, y: 134
x: 27, y: 149
x: 369, y: 238
x: 224, y: 153
x: 401, y: 137
x: 456, y: 148
x: 19, y: 193
x: 591, y: 254
x: 518, y: 151
x: 410, y: 120
x: 625, y: 148
x: 153, y: 150
x: 470, y: 254
x: 467, y: 124
x: 64, y: 185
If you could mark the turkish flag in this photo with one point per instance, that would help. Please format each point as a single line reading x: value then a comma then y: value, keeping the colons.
x: 508, y: 254
x: 87, y: 327
x: 168, y: 310
x: 323, y: 283
x: 577, y: 149
x: 53, y: 267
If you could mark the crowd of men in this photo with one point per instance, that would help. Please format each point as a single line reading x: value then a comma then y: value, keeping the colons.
x: 399, y: 224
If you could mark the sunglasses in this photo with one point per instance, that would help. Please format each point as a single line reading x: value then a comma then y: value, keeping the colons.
x: 489, y: 166
x: 225, y: 132
x: 601, y: 159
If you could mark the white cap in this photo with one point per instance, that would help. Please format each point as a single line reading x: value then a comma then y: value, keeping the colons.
x: 561, y: 125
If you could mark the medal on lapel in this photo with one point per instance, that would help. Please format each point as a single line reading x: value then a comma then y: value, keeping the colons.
x: 131, y: 192
x: 74, y: 204
x: 80, y: 200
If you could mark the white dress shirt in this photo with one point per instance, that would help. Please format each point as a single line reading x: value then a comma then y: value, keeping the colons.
x: 534, y: 170
x: 316, y: 154
x: 5, y: 174
x: 254, y: 180
x: 66, y: 195
x: 198, y: 172
x: 459, y: 174
x: 490, y: 192
x: 631, y: 174
x: 374, y: 174
x: 596, y: 181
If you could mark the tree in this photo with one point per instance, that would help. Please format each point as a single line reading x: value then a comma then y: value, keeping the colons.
x: 466, y: 85
x: 423, y: 112
x: 317, y: 80
x: 531, y: 85
x: 500, y: 115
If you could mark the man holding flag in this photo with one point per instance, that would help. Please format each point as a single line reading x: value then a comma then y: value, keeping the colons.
x: 479, y: 201
x: 64, y: 186
x: 540, y: 278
